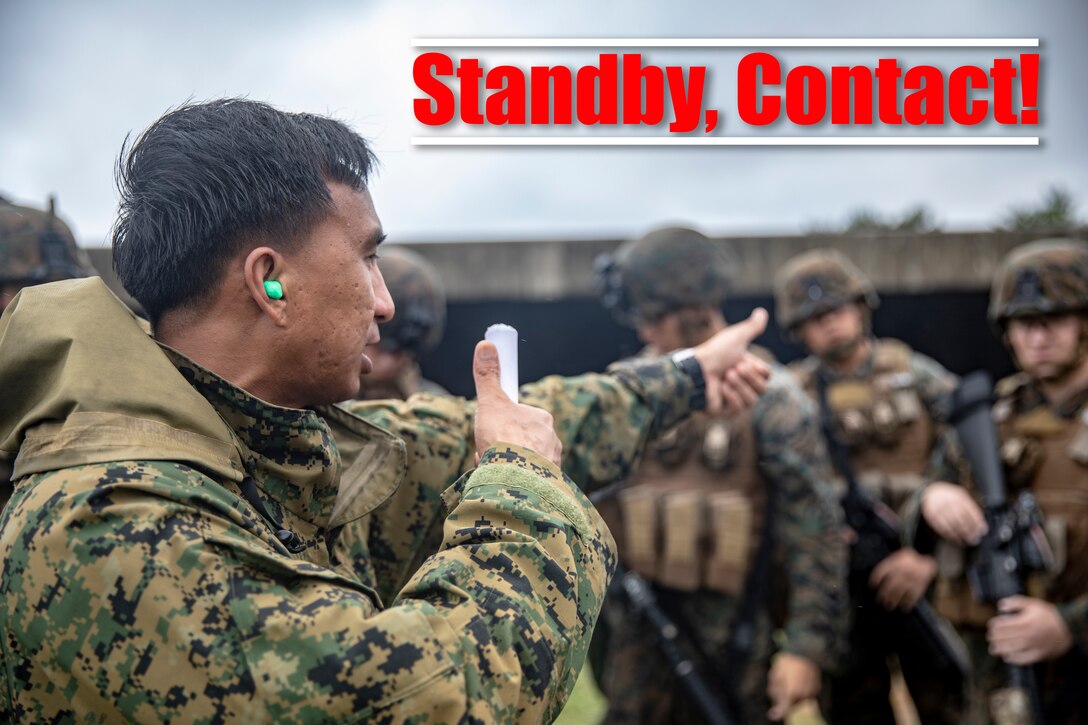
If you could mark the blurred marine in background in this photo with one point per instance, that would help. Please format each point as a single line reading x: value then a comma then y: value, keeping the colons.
x: 1039, y: 302
x: 882, y: 406
x: 715, y: 505
x: 415, y: 330
x: 35, y: 247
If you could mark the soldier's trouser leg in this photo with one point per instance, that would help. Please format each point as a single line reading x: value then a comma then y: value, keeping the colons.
x: 636, y: 678
x: 860, y: 690
x: 938, y: 694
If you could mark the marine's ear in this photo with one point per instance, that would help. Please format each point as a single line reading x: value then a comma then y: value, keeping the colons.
x: 262, y: 265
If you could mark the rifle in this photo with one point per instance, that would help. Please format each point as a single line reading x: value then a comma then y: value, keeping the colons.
x: 877, y: 530
x: 643, y: 602
x: 1014, y: 545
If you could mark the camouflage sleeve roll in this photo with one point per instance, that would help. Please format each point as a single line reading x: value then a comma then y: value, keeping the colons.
x: 808, y: 521
x: 148, y: 593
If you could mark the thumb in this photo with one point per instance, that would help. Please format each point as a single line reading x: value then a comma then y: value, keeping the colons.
x: 485, y: 371
x: 1012, y: 605
x: 752, y: 327
x: 726, y: 348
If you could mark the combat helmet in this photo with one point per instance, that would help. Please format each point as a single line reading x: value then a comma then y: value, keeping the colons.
x: 1047, y: 276
x: 36, y: 246
x: 661, y: 272
x: 816, y: 282
x: 420, y: 300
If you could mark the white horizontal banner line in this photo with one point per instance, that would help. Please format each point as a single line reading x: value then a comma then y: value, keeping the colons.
x: 725, y: 42
x: 725, y: 141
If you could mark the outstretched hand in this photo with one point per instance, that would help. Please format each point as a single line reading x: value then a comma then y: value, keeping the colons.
x: 734, y: 377
x: 500, y: 419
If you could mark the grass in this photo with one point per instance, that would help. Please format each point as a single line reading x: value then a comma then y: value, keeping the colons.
x: 586, y: 705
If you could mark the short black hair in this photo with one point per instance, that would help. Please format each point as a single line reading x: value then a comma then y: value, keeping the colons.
x: 207, y: 178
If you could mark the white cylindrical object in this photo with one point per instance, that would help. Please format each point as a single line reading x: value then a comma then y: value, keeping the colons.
x: 506, y: 340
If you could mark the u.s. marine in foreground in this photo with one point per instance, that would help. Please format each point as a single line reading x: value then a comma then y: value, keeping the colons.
x: 195, y: 529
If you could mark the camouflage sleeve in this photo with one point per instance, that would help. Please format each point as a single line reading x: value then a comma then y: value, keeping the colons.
x: 143, y: 594
x: 1075, y: 614
x: 438, y: 434
x: 808, y: 519
x: 935, y: 387
x: 604, y: 421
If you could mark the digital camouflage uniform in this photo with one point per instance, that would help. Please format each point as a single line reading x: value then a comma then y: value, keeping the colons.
x: 1044, y: 448
x: 691, y: 517
x: 790, y: 463
x: 417, y: 326
x: 177, y: 549
x: 35, y: 246
x: 889, y: 413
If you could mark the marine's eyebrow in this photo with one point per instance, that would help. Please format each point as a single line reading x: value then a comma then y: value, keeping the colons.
x: 374, y: 240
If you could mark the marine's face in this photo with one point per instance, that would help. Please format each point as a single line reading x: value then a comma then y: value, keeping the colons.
x: 835, y: 334
x: 663, y: 335
x: 338, y: 298
x: 1046, y: 347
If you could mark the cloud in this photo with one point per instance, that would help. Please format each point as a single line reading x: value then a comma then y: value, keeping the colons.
x: 82, y: 76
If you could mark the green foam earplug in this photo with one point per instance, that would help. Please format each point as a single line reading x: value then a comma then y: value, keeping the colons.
x: 273, y: 289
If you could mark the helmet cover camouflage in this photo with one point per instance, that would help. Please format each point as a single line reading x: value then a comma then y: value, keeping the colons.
x: 816, y: 282
x: 1047, y: 276
x: 420, y: 300
x: 661, y: 272
x: 36, y: 246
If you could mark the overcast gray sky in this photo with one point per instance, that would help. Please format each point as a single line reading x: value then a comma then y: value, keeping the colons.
x: 78, y: 76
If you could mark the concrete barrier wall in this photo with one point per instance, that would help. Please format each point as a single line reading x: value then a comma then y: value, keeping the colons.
x: 558, y: 269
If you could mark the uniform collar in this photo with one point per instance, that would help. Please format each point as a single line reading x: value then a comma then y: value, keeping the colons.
x: 289, y: 452
x: 1032, y: 397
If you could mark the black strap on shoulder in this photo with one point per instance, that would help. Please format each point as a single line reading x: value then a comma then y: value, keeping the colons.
x: 840, y: 457
x: 290, y: 540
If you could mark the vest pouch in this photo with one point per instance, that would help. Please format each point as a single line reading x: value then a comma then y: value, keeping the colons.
x: 854, y: 428
x: 671, y: 448
x: 638, y: 509
x: 731, y: 523
x: 1078, y: 448
x: 950, y: 560
x: 1022, y: 458
x: 682, y: 517
x: 907, y: 405
x: 1057, y: 536
x: 851, y: 401
x: 717, y: 446
x: 886, y: 423
x: 952, y: 595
